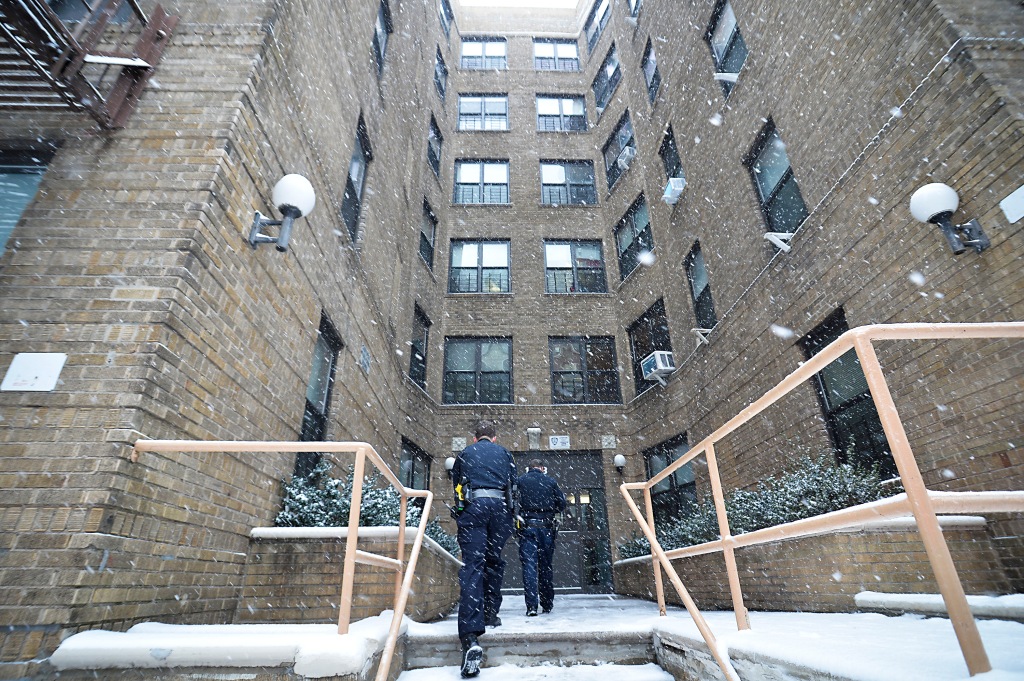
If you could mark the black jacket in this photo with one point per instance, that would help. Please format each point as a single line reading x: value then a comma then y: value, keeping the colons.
x: 539, y: 495
x: 487, y: 466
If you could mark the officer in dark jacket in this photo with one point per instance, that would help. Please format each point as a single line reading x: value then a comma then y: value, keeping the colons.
x: 540, y: 499
x: 484, y: 476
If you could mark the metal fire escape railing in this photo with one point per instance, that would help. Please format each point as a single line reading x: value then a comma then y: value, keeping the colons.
x: 918, y: 500
x: 83, y: 63
x: 363, y: 452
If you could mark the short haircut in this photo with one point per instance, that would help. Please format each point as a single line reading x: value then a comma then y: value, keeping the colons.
x: 484, y: 429
x: 536, y: 463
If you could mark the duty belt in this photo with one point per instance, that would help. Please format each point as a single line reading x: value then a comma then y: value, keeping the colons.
x: 487, y: 494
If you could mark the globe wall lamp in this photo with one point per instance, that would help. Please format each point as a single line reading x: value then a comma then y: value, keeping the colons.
x: 936, y: 203
x: 620, y: 463
x: 294, y: 197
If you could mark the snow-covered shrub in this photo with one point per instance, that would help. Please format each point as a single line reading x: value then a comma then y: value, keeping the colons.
x: 813, y: 487
x: 318, y: 500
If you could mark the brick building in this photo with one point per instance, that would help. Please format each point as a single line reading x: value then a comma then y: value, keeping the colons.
x: 489, y: 240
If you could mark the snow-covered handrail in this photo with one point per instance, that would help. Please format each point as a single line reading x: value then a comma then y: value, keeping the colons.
x: 922, y: 503
x: 363, y: 452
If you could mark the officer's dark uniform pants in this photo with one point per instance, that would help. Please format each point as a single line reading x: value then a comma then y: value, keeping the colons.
x: 484, y: 527
x: 536, y: 549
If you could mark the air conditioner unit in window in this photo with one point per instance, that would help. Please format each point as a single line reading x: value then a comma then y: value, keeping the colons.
x: 673, y: 190
x: 626, y: 157
x: 657, y: 364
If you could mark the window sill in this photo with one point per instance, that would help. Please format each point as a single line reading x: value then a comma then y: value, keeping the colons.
x: 504, y: 294
x: 569, y: 205
x: 479, y: 130
x: 481, y: 205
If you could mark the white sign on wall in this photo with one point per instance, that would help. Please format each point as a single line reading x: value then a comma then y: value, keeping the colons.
x: 558, y: 442
x: 34, y: 372
x: 458, y: 444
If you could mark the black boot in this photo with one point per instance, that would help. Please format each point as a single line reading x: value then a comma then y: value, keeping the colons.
x: 472, y: 655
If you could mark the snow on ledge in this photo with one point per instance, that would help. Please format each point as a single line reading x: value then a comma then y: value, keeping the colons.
x: 1001, y: 607
x: 314, y: 650
x: 342, y: 533
x: 903, y: 524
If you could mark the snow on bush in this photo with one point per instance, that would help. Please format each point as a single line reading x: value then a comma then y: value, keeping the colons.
x: 318, y: 500
x: 814, y: 487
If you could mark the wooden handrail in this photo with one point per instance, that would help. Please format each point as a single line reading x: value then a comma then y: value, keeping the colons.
x: 363, y: 452
x: 918, y: 499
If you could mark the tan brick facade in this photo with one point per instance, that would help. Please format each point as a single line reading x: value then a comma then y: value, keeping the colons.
x: 132, y: 260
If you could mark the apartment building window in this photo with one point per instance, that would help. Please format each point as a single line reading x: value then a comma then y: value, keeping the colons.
x: 633, y: 236
x: 446, y: 15
x: 561, y: 114
x: 647, y: 334
x: 607, y: 79
x: 634, y: 7
x: 418, y: 347
x: 75, y: 10
x: 675, y: 497
x: 727, y: 46
x: 414, y: 468
x: 574, y: 267
x: 477, y: 371
x: 352, y: 203
x: 651, y: 74
x: 440, y: 75
x: 318, y: 393
x: 428, y: 234
x: 619, y: 150
x: 596, y: 21
x: 381, y: 30
x: 700, y: 289
x: 479, y: 267
x: 556, y: 55
x: 567, y: 182
x: 434, y: 142
x: 781, y: 202
x: 484, y: 53
x: 20, y: 175
x: 584, y: 370
x: 483, y: 112
x: 670, y: 155
x: 481, y: 182
x: 850, y: 415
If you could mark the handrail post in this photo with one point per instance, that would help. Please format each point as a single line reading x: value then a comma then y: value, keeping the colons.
x: 400, y: 550
x: 927, y: 523
x: 659, y: 585
x: 351, y: 543
x: 740, y: 610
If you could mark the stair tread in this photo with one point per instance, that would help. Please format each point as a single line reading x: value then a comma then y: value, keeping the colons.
x: 581, y: 672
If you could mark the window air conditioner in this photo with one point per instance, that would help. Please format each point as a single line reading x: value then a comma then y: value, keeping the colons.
x: 657, y: 364
x: 673, y: 190
x: 626, y: 157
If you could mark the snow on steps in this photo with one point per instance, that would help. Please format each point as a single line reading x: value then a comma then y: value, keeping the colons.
x: 1010, y: 607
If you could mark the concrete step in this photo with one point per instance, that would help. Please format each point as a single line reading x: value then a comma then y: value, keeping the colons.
x: 583, y: 672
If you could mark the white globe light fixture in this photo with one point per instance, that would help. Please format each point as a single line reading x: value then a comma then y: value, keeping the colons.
x: 620, y: 462
x: 935, y: 203
x: 294, y: 197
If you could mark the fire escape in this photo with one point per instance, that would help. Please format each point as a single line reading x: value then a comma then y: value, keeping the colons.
x: 79, y: 55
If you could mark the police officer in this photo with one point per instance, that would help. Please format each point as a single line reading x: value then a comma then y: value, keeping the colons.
x: 540, y: 499
x: 484, y: 476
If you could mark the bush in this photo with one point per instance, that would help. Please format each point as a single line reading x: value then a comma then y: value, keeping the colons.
x: 318, y: 500
x: 814, y: 487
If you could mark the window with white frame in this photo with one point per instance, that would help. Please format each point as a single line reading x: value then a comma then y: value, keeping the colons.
x: 633, y: 237
x: 700, y: 288
x: 434, y: 142
x: 418, y: 347
x: 574, y: 267
x: 596, y: 21
x: 556, y: 55
x: 479, y: 266
x: 483, y: 112
x: 414, y: 469
x: 446, y: 15
x: 619, y: 150
x: 20, y: 175
x: 567, y: 183
x: 481, y: 182
x: 781, y: 202
x: 477, y: 371
x: 561, y: 114
x: 484, y: 53
x: 651, y: 74
x: 607, y: 79
x: 727, y: 46
x: 355, y: 184
x: 428, y: 234
x: 584, y: 370
x: 440, y: 75
x: 318, y: 393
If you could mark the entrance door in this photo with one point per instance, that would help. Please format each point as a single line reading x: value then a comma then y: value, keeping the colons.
x: 582, y: 562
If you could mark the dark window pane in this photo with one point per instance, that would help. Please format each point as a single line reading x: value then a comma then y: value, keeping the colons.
x: 787, y: 209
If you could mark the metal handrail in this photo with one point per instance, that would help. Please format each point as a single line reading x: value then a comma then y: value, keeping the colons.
x: 918, y: 500
x: 363, y: 452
